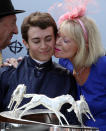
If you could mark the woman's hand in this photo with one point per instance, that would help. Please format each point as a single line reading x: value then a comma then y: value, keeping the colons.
x: 12, y: 62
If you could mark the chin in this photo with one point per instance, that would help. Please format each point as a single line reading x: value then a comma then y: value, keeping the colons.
x: 47, y: 59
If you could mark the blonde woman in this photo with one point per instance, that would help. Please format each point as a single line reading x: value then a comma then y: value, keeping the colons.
x: 79, y: 41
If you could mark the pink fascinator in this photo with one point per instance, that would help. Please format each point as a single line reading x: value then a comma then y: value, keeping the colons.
x: 74, y: 10
x: 75, y: 13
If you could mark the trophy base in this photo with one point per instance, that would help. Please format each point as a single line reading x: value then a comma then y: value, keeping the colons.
x: 36, y: 120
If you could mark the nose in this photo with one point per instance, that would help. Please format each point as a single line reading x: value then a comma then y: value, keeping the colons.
x: 43, y: 45
x: 15, y: 30
x: 58, y: 40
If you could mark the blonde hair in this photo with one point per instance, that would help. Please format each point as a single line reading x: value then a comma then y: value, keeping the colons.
x: 87, y: 53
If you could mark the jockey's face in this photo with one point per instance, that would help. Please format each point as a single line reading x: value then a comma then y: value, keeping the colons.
x: 40, y: 43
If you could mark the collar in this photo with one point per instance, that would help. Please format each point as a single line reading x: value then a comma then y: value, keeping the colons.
x: 45, y: 66
x: 40, y: 62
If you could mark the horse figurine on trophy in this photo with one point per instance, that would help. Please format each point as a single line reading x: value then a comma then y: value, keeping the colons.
x: 79, y: 107
x: 53, y: 104
x: 17, y: 96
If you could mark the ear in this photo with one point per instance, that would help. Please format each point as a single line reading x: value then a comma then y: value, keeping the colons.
x: 26, y: 44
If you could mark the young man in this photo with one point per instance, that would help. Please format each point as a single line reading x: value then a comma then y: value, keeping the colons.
x: 37, y: 71
x: 8, y: 25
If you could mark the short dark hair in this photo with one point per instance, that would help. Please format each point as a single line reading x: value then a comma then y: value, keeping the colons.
x: 37, y: 19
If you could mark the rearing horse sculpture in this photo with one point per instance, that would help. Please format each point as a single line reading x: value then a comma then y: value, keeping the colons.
x: 80, y: 107
x: 17, y: 96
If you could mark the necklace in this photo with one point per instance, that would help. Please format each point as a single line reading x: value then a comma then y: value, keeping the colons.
x: 79, y: 75
x: 80, y: 71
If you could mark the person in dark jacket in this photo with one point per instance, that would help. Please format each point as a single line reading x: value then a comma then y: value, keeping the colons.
x: 37, y: 70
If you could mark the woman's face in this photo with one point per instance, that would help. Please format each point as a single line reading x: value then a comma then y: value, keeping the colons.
x: 65, y: 47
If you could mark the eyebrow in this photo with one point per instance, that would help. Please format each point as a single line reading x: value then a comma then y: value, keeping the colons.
x: 36, y: 38
x: 48, y: 36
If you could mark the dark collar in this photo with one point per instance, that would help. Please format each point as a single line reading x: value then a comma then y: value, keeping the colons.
x: 45, y: 66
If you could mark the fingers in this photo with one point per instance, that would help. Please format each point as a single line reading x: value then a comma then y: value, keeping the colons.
x: 11, y: 62
x: 6, y: 64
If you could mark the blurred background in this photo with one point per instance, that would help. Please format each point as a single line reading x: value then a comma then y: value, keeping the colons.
x: 17, y: 48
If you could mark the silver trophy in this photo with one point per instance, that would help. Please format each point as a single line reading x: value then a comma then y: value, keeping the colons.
x: 51, y: 116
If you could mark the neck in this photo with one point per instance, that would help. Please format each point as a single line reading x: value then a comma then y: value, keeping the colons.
x: 81, y: 74
x: 79, y: 70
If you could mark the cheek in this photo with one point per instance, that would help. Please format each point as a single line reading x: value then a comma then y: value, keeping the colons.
x: 73, y: 51
x: 6, y: 33
x: 70, y: 50
x: 34, y: 52
x: 33, y: 48
x: 9, y: 29
x: 65, y: 48
x: 51, y: 45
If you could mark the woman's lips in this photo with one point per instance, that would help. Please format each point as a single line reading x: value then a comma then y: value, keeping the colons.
x: 56, y: 49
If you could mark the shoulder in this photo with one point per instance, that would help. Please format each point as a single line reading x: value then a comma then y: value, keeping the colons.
x: 63, y: 61
x: 23, y: 61
x: 100, y: 65
x: 66, y: 63
x: 67, y: 78
x: 9, y: 69
x: 60, y: 69
x: 5, y: 69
